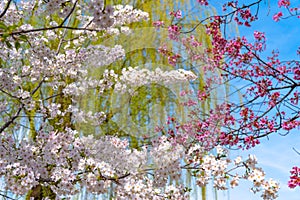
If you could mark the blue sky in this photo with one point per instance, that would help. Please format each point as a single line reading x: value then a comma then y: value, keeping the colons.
x: 275, y: 154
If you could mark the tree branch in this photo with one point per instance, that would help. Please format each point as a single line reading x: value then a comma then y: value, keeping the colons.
x: 69, y: 14
x: 7, y: 197
x: 11, y: 120
x: 5, y: 9
x: 48, y: 29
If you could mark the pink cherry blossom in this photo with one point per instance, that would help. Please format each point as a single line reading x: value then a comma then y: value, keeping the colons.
x: 277, y: 16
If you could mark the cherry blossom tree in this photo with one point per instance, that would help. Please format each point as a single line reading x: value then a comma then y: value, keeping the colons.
x: 270, y: 89
x: 51, y: 144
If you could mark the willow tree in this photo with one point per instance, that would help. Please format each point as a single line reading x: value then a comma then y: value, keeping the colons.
x: 137, y: 114
x: 143, y: 47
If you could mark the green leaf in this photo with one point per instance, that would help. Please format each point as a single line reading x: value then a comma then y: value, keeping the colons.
x: 3, y: 26
x: 12, y: 27
x: 8, y: 44
x: 23, y: 37
x: 17, y: 45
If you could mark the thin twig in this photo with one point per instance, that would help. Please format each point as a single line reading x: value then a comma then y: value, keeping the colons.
x: 222, y: 16
x: 5, y: 196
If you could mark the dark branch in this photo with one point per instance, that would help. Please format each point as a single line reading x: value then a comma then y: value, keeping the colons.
x: 69, y: 14
x: 223, y: 16
x: 5, y: 9
x: 7, y: 197
x: 48, y: 29
x: 11, y: 120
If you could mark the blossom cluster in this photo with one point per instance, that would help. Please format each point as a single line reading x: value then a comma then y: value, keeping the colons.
x: 270, y: 82
x: 135, y: 77
x: 219, y: 168
x: 294, y: 178
x: 59, y: 160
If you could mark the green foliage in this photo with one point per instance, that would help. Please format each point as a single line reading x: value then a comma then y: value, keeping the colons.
x: 141, y: 49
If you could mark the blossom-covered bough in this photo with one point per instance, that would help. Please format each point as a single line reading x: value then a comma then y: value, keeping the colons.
x: 269, y: 95
x: 48, y: 49
x: 270, y: 87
